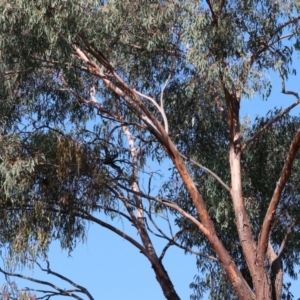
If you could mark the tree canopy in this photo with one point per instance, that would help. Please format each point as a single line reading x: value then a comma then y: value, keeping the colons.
x: 92, y: 92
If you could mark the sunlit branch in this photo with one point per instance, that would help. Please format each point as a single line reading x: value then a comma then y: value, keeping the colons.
x: 134, y: 176
x: 160, y: 109
x: 162, y: 103
x: 208, y: 171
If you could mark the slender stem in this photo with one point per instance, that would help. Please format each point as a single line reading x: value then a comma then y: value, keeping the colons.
x: 208, y: 171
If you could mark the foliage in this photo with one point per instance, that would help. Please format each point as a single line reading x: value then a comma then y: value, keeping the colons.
x: 92, y: 91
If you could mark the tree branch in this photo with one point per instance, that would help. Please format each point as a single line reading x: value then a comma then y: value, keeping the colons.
x: 64, y: 278
x: 283, y: 90
x: 159, y: 108
x: 62, y: 292
x: 208, y: 171
x: 168, y: 204
x: 206, y: 226
x: 285, y: 174
x: 265, y: 127
x: 187, y: 249
x: 89, y: 217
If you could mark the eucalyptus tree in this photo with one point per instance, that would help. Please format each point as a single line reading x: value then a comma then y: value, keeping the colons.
x: 91, y: 91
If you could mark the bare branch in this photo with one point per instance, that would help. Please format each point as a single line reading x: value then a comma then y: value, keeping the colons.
x: 168, y: 204
x: 283, y: 90
x: 90, y: 217
x: 170, y: 243
x: 64, y: 278
x: 160, y: 109
x: 281, y: 38
x: 62, y: 292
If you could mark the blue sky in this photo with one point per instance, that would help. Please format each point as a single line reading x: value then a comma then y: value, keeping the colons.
x: 110, y: 268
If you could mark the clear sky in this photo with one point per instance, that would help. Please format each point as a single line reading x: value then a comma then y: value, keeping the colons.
x: 112, y: 269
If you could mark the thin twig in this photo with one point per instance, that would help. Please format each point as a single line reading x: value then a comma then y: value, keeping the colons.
x: 169, y: 204
x: 62, y: 292
x: 173, y: 242
x: 64, y: 278
x: 90, y: 217
x: 208, y: 171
